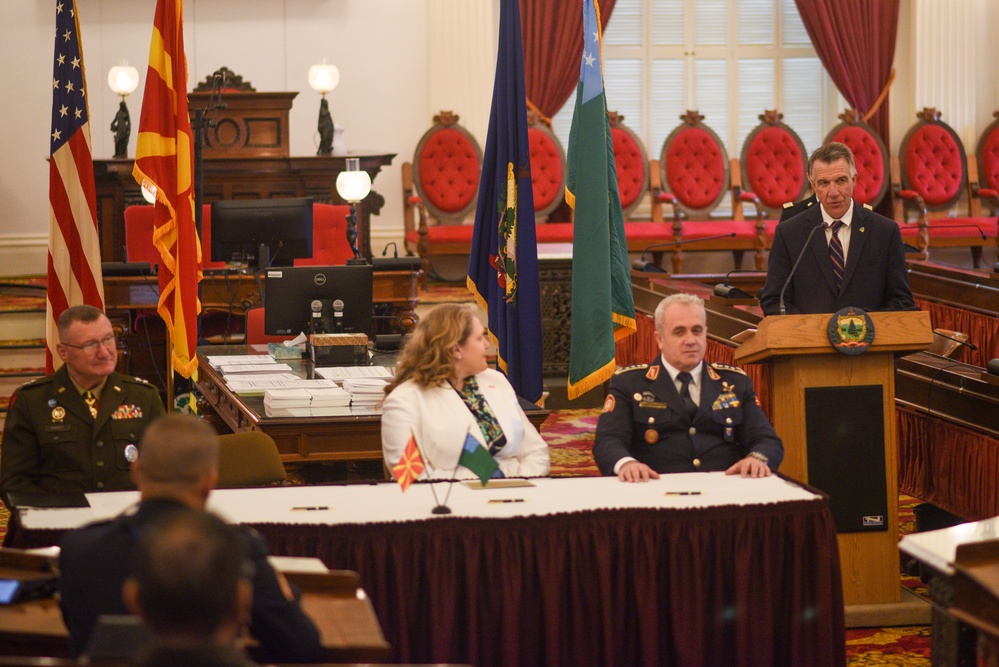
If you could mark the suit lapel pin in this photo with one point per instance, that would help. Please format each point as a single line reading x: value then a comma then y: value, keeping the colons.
x: 861, y: 230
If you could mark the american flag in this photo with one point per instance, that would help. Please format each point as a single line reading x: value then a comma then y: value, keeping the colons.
x: 74, y: 262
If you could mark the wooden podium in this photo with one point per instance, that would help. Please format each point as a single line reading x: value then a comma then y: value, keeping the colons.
x: 836, y: 416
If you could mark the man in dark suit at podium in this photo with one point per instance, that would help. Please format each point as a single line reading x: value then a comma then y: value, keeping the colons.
x: 854, y: 256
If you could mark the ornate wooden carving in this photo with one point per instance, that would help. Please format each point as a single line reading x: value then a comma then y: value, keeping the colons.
x: 615, y: 118
x: 692, y: 117
x: 929, y: 115
x: 446, y: 118
x: 851, y: 116
x: 771, y: 117
x: 232, y: 81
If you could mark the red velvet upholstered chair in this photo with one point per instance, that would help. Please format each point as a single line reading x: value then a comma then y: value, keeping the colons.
x: 440, y: 189
x: 255, y: 328
x: 774, y: 167
x: 631, y: 162
x: 548, y: 169
x: 869, y: 154
x: 329, y: 236
x: 986, y: 186
x: 695, y: 177
x: 931, y: 175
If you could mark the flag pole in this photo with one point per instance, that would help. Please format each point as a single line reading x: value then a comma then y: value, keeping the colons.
x: 433, y: 489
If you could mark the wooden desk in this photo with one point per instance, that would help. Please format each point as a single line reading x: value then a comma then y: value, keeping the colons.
x: 343, y: 615
x: 937, y: 550
x: 394, y: 301
x: 301, y: 440
x: 245, y: 177
x: 394, y: 295
x: 584, y: 571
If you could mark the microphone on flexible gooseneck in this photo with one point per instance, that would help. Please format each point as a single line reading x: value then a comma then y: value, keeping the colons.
x: 956, y: 340
x: 794, y: 268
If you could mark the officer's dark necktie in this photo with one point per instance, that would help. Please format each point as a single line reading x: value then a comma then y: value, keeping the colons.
x: 685, y: 379
x: 91, y: 402
x: 836, y: 253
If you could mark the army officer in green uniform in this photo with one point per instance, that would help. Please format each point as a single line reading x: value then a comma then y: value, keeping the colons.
x: 77, y: 429
x: 679, y: 414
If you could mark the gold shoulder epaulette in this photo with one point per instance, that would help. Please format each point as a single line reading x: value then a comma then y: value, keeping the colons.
x: 635, y: 367
x: 868, y: 207
x: 726, y: 367
x: 788, y: 204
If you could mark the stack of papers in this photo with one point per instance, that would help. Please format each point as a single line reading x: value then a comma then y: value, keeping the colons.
x: 330, y: 397
x: 287, y: 398
x: 365, y: 392
x: 340, y: 373
x: 255, y: 385
x: 254, y: 369
x: 302, y: 397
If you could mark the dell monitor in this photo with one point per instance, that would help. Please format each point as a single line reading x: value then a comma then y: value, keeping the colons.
x: 343, y: 294
x: 261, y: 232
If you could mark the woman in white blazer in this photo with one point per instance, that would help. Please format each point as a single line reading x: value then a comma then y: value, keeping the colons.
x: 444, y: 390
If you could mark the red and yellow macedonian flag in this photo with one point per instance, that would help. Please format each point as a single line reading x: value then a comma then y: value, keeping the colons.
x: 410, y: 466
x: 164, y: 164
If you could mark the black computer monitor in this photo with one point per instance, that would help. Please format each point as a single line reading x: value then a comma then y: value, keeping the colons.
x: 289, y: 293
x: 261, y: 232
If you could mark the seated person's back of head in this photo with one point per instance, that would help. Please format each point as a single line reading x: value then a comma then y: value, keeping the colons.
x: 191, y: 585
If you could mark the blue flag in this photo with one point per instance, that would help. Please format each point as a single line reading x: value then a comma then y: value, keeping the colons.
x: 503, y: 266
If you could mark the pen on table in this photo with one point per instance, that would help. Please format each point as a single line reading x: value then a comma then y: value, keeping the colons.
x: 683, y: 493
x: 310, y: 509
x: 507, y: 500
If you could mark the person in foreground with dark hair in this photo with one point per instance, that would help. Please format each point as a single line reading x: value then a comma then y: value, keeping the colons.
x: 854, y: 256
x: 77, y: 429
x: 444, y: 391
x: 680, y: 414
x: 191, y: 586
x: 177, y: 468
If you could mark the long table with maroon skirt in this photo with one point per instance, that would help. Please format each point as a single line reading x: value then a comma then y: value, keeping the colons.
x: 690, y: 569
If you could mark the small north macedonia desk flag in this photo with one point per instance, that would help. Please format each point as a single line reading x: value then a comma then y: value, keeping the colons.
x: 409, y: 466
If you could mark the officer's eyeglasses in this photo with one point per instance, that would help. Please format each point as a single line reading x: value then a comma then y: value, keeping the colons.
x: 109, y: 342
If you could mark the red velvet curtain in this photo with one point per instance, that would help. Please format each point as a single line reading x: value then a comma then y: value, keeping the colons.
x: 553, y: 46
x: 855, y: 40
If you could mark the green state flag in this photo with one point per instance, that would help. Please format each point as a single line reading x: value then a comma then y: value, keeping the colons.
x: 603, y: 309
x: 477, y: 458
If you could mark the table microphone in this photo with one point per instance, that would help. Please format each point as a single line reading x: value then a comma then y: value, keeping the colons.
x: 956, y: 340
x: 727, y: 291
x: 649, y: 267
x: 993, y: 367
x: 794, y: 268
x: 316, y: 321
x: 338, y: 315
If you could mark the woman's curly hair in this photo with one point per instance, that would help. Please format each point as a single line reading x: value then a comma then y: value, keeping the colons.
x: 428, y: 358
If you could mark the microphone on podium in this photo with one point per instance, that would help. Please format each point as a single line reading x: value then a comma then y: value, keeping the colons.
x: 650, y: 267
x: 794, y: 268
